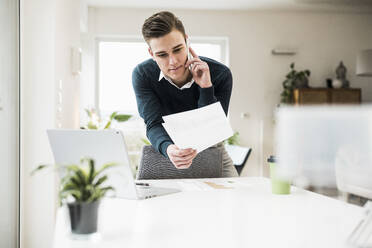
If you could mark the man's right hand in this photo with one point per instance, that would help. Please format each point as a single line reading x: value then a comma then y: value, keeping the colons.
x: 181, y: 158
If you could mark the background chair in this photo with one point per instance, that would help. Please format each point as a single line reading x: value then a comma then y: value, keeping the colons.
x: 239, y: 155
x: 353, y: 180
x: 153, y: 165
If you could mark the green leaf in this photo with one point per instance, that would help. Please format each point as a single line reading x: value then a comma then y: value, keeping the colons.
x: 76, y: 181
x: 112, y: 116
x: 82, y: 177
x: 40, y: 167
x: 233, y: 140
x: 88, y: 191
x: 91, y: 125
x: 107, y: 125
x: 79, y: 177
x: 72, y: 167
x: 70, y: 186
x: 91, y: 171
x: 122, y: 118
x: 145, y: 141
x: 107, y: 188
x: 75, y: 193
x: 101, y: 193
x: 287, y: 84
x: 79, y: 172
x: 104, y: 190
x: 89, y: 113
x: 101, y: 180
x: 94, y: 196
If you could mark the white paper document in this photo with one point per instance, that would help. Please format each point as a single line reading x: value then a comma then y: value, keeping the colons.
x: 199, y: 128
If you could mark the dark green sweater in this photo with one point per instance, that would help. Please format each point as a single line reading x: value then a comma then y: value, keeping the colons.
x: 159, y: 98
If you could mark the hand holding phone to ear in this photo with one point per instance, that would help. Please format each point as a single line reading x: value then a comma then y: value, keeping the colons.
x: 199, y: 69
x: 189, y: 57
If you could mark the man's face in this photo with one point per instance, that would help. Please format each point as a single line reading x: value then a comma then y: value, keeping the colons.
x: 170, y: 53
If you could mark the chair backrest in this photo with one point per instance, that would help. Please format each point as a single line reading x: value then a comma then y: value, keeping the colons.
x: 153, y: 165
x: 239, y: 155
x: 353, y: 179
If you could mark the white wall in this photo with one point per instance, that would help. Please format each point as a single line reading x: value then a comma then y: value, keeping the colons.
x: 67, y: 36
x: 322, y: 39
x: 48, y: 29
x: 37, y: 114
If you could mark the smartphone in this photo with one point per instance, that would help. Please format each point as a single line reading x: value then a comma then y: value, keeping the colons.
x: 189, y: 56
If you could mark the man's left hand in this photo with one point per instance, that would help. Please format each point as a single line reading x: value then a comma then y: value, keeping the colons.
x: 199, y: 70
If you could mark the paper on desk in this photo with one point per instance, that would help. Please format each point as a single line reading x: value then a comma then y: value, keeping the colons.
x: 205, y: 184
x: 202, y: 184
x: 199, y: 128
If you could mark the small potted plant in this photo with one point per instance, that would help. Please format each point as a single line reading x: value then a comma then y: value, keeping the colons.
x: 294, y: 79
x: 81, y: 188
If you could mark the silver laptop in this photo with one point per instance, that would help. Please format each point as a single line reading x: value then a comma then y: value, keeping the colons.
x: 104, y: 146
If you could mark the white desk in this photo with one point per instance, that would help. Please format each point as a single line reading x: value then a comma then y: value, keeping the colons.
x: 246, y: 216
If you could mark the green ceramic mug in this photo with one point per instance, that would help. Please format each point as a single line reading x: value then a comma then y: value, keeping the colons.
x: 278, y: 186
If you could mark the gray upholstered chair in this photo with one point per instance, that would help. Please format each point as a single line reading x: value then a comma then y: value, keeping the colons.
x: 153, y: 165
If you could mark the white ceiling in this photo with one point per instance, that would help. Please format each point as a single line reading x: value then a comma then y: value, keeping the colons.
x: 346, y: 5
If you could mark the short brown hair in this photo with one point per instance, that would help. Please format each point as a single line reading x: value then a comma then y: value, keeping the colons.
x: 160, y: 24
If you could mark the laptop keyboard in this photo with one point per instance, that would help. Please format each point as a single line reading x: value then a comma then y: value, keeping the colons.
x: 149, y: 192
x: 146, y: 192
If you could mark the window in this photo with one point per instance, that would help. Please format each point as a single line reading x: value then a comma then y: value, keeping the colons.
x: 115, y: 65
x: 118, y: 58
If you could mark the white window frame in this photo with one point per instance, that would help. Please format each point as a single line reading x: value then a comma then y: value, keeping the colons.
x: 222, y: 41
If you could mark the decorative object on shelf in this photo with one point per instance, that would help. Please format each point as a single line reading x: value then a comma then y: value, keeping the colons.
x: 294, y: 79
x: 329, y: 83
x: 341, y: 76
x: 95, y: 121
x: 364, y: 63
x: 336, y: 83
x: 82, y: 188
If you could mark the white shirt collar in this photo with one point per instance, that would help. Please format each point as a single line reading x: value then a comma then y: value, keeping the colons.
x: 186, y: 86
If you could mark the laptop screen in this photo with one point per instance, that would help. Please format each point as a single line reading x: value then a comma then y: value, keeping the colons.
x: 104, y: 146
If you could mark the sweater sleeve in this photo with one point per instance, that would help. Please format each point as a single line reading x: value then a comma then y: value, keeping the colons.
x: 149, y: 109
x: 219, y: 91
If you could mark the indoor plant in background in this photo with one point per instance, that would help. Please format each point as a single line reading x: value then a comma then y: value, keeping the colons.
x: 134, y: 140
x: 95, y: 121
x: 81, y: 188
x: 294, y: 79
x: 233, y: 140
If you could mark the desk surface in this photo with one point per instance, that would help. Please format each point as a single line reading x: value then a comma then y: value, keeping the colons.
x: 247, y: 215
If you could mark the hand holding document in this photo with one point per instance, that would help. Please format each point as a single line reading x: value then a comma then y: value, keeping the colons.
x: 199, y: 128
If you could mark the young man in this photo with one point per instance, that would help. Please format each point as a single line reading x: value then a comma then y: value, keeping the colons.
x: 166, y: 85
